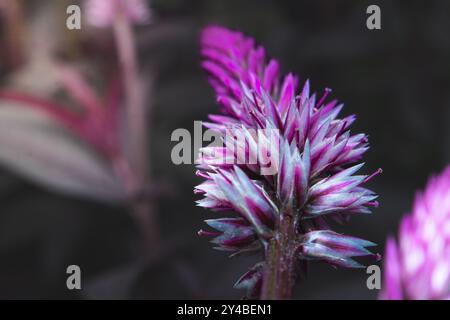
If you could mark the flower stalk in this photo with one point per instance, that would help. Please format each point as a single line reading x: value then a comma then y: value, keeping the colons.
x: 138, y: 128
x: 280, y: 271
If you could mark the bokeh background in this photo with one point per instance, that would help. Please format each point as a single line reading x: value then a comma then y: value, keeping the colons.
x: 396, y: 80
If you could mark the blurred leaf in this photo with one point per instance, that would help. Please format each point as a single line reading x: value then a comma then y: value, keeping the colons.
x: 33, y: 145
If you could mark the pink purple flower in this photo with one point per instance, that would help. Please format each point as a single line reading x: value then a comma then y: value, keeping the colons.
x: 101, y: 13
x: 312, y: 150
x: 418, y: 265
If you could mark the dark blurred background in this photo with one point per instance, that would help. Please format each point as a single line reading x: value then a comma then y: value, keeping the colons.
x: 396, y: 80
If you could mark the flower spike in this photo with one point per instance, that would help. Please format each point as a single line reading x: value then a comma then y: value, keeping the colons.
x: 287, y: 167
x: 417, y: 267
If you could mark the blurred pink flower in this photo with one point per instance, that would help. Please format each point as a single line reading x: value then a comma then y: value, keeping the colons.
x: 101, y: 13
x: 418, y: 267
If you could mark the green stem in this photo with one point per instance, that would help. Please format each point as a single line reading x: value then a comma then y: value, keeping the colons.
x: 138, y: 127
x: 279, y: 271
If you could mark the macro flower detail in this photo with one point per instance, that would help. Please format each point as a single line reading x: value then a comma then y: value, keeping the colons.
x: 101, y: 13
x: 232, y: 233
x: 287, y: 168
x: 335, y: 248
x: 417, y: 267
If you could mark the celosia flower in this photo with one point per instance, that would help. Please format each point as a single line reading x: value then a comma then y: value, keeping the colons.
x: 418, y: 267
x: 101, y: 13
x: 269, y: 123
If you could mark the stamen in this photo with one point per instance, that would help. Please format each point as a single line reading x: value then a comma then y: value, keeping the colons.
x: 203, y: 233
x: 202, y: 174
x: 377, y: 257
x: 324, y: 96
x: 373, y: 175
